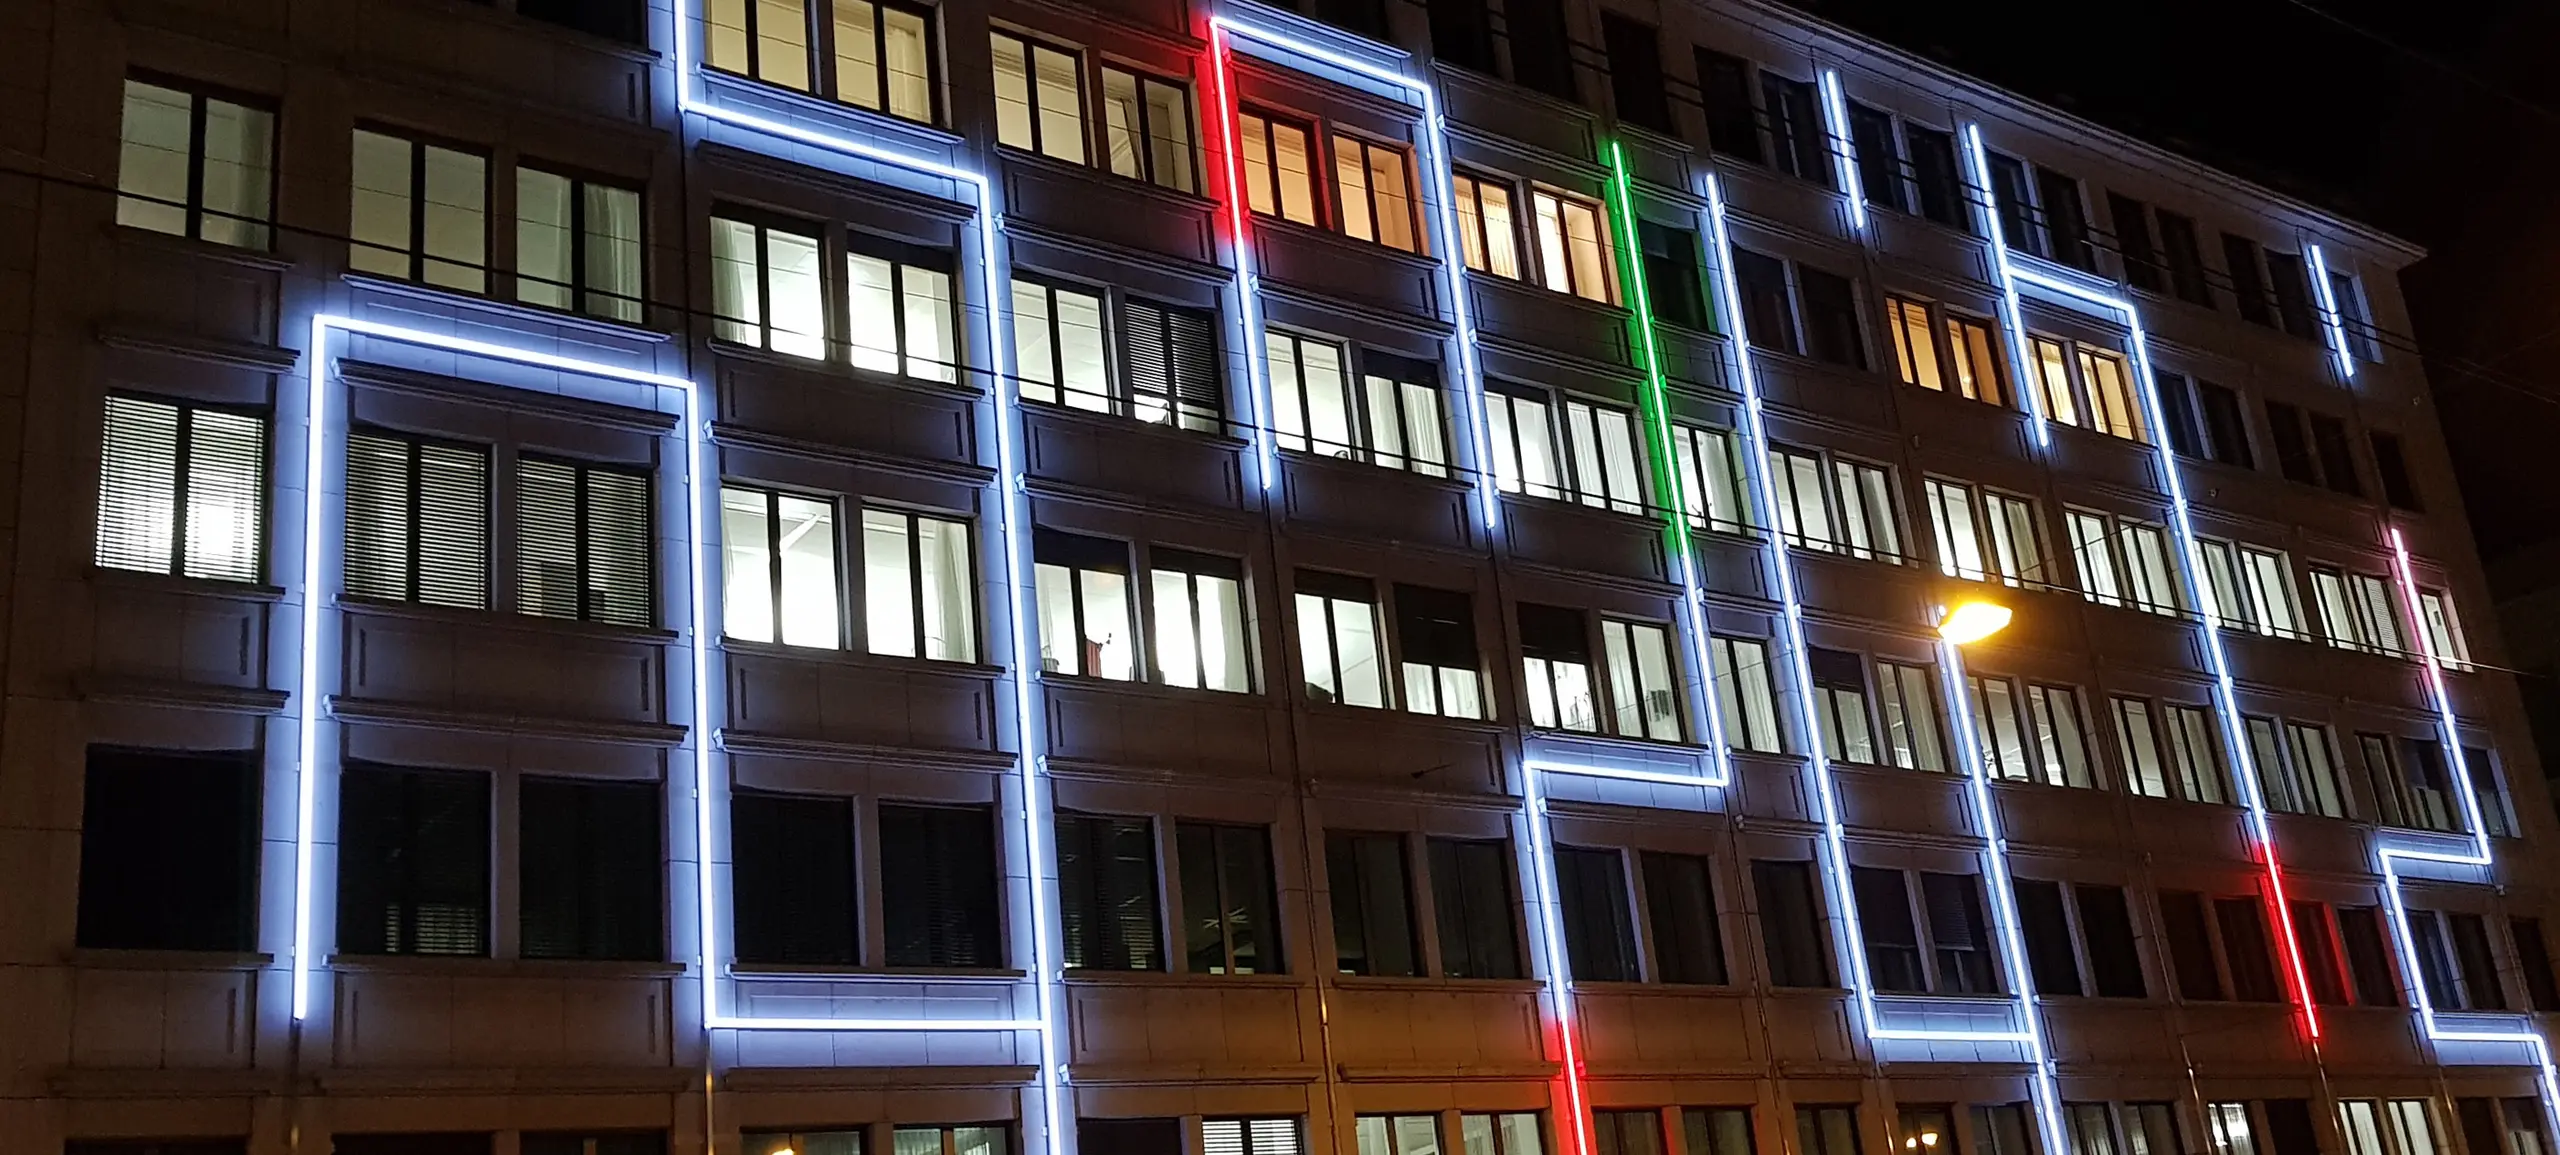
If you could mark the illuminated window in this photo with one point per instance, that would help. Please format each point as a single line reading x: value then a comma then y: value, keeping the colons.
x: 196, y: 166
x: 1338, y: 639
x: 1389, y: 413
x: 1640, y: 698
x: 899, y: 313
x: 1524, y: 451
x: 1248, y: 1137
x: 2444, y: 632
x: 577, y: 245
x: 2122, y: 562
x: 1375, y: 188
x: 919, y: 586
x: 1556, y: 650
x: 2034, y: 736
x: 1087, y: 618
x: 2297, y: 767
x: 1400, y: 1134
x: 1146, y: 128
x: 1601, y: 441
x: 1436, y: 648
x: 1644, y: 693
x: 182, y: 489
x: 765, y: 286
x: 1058, y: 345
x: 417, y: 520
x: 1169, y: 370
x: 2251, y: 588
x: 1279, y: 167
x: 1575, y: 254
x: 1985, y: 533
x: 765, y: 39
x: 1907, y: 699
x: 884, y: 56
x: 1039, y: 97
x: 1488, y: 232
x: 1711, y: 482
x: 1915, y: 343
x: 2357, y: 611
x: 420, y: 212
x: 779, y: 580
x: 1847, y: 508
x: 586, y: 542
x: 1197, y: 616
x: 1973, y: 348
x: 1746, y: 700
x: 1840, y: 706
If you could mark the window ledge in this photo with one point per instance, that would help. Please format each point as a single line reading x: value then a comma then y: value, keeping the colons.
x: 508, y: 620
x: 1150, y: 691
x: 483, y: 966
x: 1439, y: 983
x: 113, y: 958
x: 837, y: 656
x: 1023, y: 156
x: 823, y: 972
x: 175, y: 584
x: 1467, y: 725
x: 1118, y: 423
x: 1370, y: 470
x: 524, y: 314
x: 259, y: 259
x: 1325, y: 236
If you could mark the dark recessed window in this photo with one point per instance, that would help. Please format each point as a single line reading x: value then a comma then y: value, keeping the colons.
x: 1599, y: 925
x: 169, y: 850
x: 792, y: 879
x: 413, y: 861
x: 590, y: 870
x: 938, y: 887
x: 1635, y: 72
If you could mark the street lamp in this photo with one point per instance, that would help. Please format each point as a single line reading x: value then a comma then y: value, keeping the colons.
x: 1970, y: 622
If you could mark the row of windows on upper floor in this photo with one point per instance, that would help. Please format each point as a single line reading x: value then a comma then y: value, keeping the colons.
x: 196, y: 165
x: 844, y: 882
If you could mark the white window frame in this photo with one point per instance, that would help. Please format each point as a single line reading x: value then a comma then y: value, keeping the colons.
x: 1746, y: 694
x: 1575, y: 253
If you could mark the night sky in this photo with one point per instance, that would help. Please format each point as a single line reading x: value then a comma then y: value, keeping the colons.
x: 2437, y: 121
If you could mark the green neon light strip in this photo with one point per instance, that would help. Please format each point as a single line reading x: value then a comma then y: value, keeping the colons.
x: 1656, y: 402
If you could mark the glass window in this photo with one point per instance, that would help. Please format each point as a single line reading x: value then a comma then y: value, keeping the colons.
x: 805, y: 1143
x: 1959, y: 938
x: 1436, y: 641
x: 1338, y: 639
x: 1974, y: 352
x: 578, y: 245
x: 1279, y: 167
x: 1879, y: 157
x: 2444, y: 639
x: 1892, y: 935
x: 1840, y: 706
x: 1831, y: 331
x: 1827, y: 1130
x: 2414, y: 787
x: 420, y: 212
x: 1626, y: 1132
x: 2002, y: 538
x: 1107, y: 911
x: 2314, y: 763
x: 765, y: 39
x: 1556, y: 652
x: 1058, y: 343
x: 1680, y: 899
x: 1172, y: 372
x: 2121, y: 561
x: 1197, y: 611
x: 397, y: 488
x: 2112, y: 408
x: 1039, y: 97
x: 1230, y: 924
x: 779, y: 580
x: 1518, y: 1133
x: 2051, y: 361
x: 919, y: 588
x: 413, y: 861
x: 1575, y: 254
x: 182, y: 489
x: 1791, y: 924
x: 884, y: 57
x: 1768, y: 307
x: 1371, y: 891
x: 1246, y: 1137
x: 586, y: 543
x: 1952, y: 518
x: 1803, y: 148
x: 1669, y: 258
x: 1602, y: 445
x: 1146, y: 128
x: 765, y: 287
x: 2062, y: 752
x: 1085, y: 613
x: 1644, y: 693
x: 1524, y: 454
x: 1711, y: 483
x: 899, y: 313
x: 1376, y: 192
x: 792, y: 879
x: 590, y: 871
x: 2140, y: 743
x: 2195, y: 753
x: 1804, y: 512
x: 1746, y: 703
x: 1488, y: 231
x: 1915, y: 343
x: 1397, y: 1134
x: 990, y: 1140
x: 1471, y: 887
x: 169, y: 850
x: 2093, y: 554
x: 1599, y: 930
x: 1913, y: 738
x: 195, y: 166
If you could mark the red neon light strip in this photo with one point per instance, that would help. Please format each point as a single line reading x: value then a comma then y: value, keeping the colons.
x: 2292, y: 944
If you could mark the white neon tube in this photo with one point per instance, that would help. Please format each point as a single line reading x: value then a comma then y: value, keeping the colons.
x: 1844, y: 149
x: 2333, y: 321
x: 2012, y: 314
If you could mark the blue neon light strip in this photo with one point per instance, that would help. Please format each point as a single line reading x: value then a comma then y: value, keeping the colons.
x: 1844, y: 150
x: 2333, y: 323
x: 2012, y: 314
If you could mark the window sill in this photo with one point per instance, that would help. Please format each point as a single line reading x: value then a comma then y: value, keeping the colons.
x: 1326, y: 236
x: 1438, y: 983
x: 1355, y: 468
x: 175, y: 584
x: 483, y: 966
x: 1468, y: 725
x: 259, y: 259
x: 507, y: 620
x: 834, y: 656
x: 1118, y: 423
x: 1151, y: 691
x: 114, y: 958
x: 527, y: 314
x: 1023, y: 156
x: 822, y: 972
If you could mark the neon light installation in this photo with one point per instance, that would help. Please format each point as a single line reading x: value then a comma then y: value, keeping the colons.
x: 2333, y: 322
x: 1844, y: 149
x: 2012, y: 315
x: 1248, y: 281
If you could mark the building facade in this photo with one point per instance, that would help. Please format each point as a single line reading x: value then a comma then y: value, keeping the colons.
x: 1221, y: 581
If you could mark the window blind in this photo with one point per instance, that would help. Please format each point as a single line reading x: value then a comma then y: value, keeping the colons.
x: 182, y: 489
x: 584, y: 548
x: 417, y: 521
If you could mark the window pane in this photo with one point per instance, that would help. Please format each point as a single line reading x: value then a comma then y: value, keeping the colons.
x: 158, y: 147
x: 888, y: 583
x: 544, y: 244
x: 798, y: 306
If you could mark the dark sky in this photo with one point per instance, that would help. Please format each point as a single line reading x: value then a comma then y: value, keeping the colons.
x: 2438, y: 121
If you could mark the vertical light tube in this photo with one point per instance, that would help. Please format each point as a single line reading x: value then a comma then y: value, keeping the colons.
x: 2023, y: 381
x: 307, y: 693
x: 1844, y: 149
x: 2333, y: 321
x: 1248, y: 280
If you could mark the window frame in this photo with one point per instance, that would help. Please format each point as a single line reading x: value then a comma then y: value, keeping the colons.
x: 414, y: 251
x: 182, y: 489
x: 196, y: 214
x: 585, y: 300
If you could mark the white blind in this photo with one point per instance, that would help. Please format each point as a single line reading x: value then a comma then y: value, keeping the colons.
x: 182, y: 490
x: 583, y: 543
x: 417, y: 521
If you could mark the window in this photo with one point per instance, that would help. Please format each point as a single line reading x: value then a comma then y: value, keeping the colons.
x: 1790, y: 924
x: 2248, y: 281
x: 899, y: 311
x: 1795, y: 128
x: 1197, y: 612
x: 1436, y: 641
x: 1524, y: 453
x: 2090, y: 1128
x: 1671, y: 284
x: 1601, y: 448
x: 1509, y: 1133
x: 578, y: 245
x: 1599, y: 930
x: 1376, y: 192
x: 1686, y: 928
x: 938, y: 887
x: 417, y: 521
x: 2142, y: 267
x: 1146, y: 129
x: 1996, y: 536
x: 1471, y: 886
x: 1107, y: 893
x: 1644, y: 695
x: 2229, y: 1123
x: 413, y: 861
x: 1388, y: 414
x: 2364, y: 338
x: 1925, y: 1127
x: 2015, y: 204
x: 169, y: 850
x: 2337, y: 462
x: 2204, y: 419
x: 1488, y: 233
x: 421, y: 212
x: 1161, y: 1135
x: 1830, y: 318
x: 2191, y: 959
x: 196, y: 166
x: 2368, y: 961
x: 1733, y: 123
x: 1247, y: 1137
x: 2296, y: 767
x: 1338, y: 639
x: 792, y: 879
x: 1460, y: 35
x: 1934, y: 175
x: 765, y: 287
x: 1711, y: 483
x: 1039, y: 97
x: 182, y: 489
x: 2122, y: 561
x: 429, y: 1143
x: 2455, y: 962
x: 1959, y: 939
x: 1635, y: 74
x: 1169, y: 366
x: 779, y: 580
x: 2391, y: 464
x: 883, y: 54
x: 1912, y: 737
x: 1879, y: 157
x: 160, y: 1146
x: 2050, y: 748
x: 2245, y: 949
x: 1371, y: 890
x: 2098, y: 396
x: 1892, y: 935
x: 2066, y: 223
x: 2497, y: 817
x: 2445, y: 642
x: 1865, y: 526
x: 1915, y: 343
x: 2140, y: 743
x: 816, y: 1142
x: 2356, y: 611
x: 1840, y: 706
x: 1058, y: 341
x: 1827, y: 1130
x: 1229, y: 915
x: 765, y: 39
x: 2042, y: 925
x: 1626, y: 1132
x: 2106, y: 925
x: 2250, y: 588
x: 2181, y: 257
x: 990, y: 1140
x: 1397, y: 1134
x: 1085, y: 610
x: 1746, y: 704
x: 2291, y: 280
x: 2414, y: 788
x: 2533, y: 962
x: 590, y: 872
x: 1279, y: 167
x: 1973, y: 353
x: 1716, y: 1130
x: 585, y: 543
x: 919, y: 586
x: 1768, y: 310
x: 1575, y: 254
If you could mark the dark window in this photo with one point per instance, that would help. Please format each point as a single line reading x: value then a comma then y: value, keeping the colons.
x: 2106, y: 928
x: 2185, y: 257
x: 2142, y: 268
x: 585, y: 543
x: 1957, y: 934
x: 1373, y: 931
x: 1671, y: 281
x: 1366, y: 17
x: 1934, y: 174
x: 1892, y: 937
x: 1471, y: 885
x: 1161, y: 1136
x: 938, y: 887
x: 2293, y: 447
x: 2292, y: 283
x: 792, y: 880
x: 1436, y: 641
x: 1733, y: 124
x: 590, y: 872
x: 1227, y: 906
x: 1635, y: 72
x: 1717, y: 1130
x: 158, y: 1147
x: 2245, y: 948
x: 1599, y: 930
x: 2478, y: 1119
x: 2496, y: 819
x: 2047, y: 931
x: 2016, y: 205
x: 2435, y: 961
x: 2226, y: 430
x: 2368, y: 962
x: 2525, y: 1124
x: 1541, y: 47
x: 1879, y: 161
x: 1827, y: 1130
x: 2533, y: 960
x: 1790, y: 925
x: 1107, y: 893
x: 1768, y: 312
x: 2337, y: 461
x: 1626, y: 1132
x: 2479, y: 967
x: 1795, y: 128
x: 169, y: 846
x: 1831, y: 318
x: 430, y: 1144
x: 2178, y: 412
x: 624, y: 1143
x: 2319, y: 953
x: 413, y: 861
x: 2182, y: 922
x: 2392, y: 466
x: 1461, y: 34
x: 612, y: 19
x: 1173, y: 365
x: 2248, y: 284
x: 1688, y: 939
x: 2066, y: 224
x: 2289, y: 1127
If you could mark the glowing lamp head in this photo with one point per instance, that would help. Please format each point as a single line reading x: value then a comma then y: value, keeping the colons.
x: 1972, y: 622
